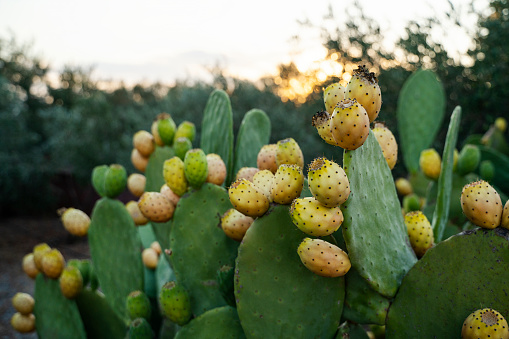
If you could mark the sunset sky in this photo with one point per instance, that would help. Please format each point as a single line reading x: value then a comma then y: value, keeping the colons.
x: 164, y: 40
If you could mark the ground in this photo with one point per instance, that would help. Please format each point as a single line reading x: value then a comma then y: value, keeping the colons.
x: 18, y: 237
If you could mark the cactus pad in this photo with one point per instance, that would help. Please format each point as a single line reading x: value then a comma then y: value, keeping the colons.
x: 219, y: 323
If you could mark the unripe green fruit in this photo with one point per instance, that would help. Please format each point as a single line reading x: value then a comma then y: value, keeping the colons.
x: 468, y: 159
x: 140, y: 329
x: 84, y: 266
x: 411, y: 202
x: 196, y: 167
x: 166, y: 128
x: 115, y: 180
x: 186, y: 129
x: 98, y: 175
x: 23, y: 303
x: 487, y: 170
x: 181, y: 146
x: 138, y: 305
x: 71, y: 282
x: 175, y: 303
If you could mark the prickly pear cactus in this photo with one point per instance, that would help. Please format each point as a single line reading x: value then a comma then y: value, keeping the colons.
x: 218, y: 323
x: 421, y: 109
x: 199, y: 247
x: 276, y: 294
x: 453, y: 279
x: 115, y: 250
x: 374, y: 229
x: 55, y: 315
x: 153, y: 172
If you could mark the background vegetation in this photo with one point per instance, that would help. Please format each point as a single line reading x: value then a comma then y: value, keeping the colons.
x: 52, y: 135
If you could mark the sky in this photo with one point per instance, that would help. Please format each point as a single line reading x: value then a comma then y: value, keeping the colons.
x: 165, y: 40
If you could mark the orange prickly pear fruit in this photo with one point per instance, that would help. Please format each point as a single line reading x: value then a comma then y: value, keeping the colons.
x: 266, y: 158
x: 321, y: 121
x: 71, y: 282
x: 349, y: 124
x: 363, y: 86
x: 144, y: 142
x: 246, y: 173
x: 332, y: 95
x: 289, y: 153
x: 315, y: 219
x: 247, y: 198
x: 136, y: 184
x: 235, y: 224
x: 420, y: 232
x: 485, y: 323
x: 156, y: 207
x: 75, y: 221
x: 288, y: 184
x: 217, y: 169
x: 323, y: 258
x: 328, y: 182
x: 388, y: 144
x: 169, y: 194
x: 481, y: 204
x: 139, y: 161
x: 150, y: 258
x: 135, y: 213
x: 430, y: 163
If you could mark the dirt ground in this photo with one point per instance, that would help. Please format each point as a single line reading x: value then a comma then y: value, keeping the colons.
x: 18, y: 236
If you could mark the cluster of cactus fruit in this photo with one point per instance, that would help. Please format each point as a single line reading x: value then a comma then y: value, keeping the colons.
x: 236, y: 238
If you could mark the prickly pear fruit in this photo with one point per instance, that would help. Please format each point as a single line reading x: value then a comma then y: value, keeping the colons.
x: 139, y: 328
x: 323, y: 258
x: 138, y: 305
x: 186, y: 129
x: 403, y: 186
x: 430, y: 163
x: 332, y: 95
x: 135, y: 213
x: 288, y: 184
x: 155, y: 133
x: 328, y: 182
x: 144, y: 142
x: 468, y: 159
x: 504, y: 222
x: 349, y: 124
x: 321, y: 121
x: 53, y: 263
x: 71, y: 282
x: 264, y: 179
x: 156, y: 246
x: 420, y: 232
x: 246, y: 173
x: 266, y: 158
x: 136, y: 184
x: 115, y: 180
x: 217, y: 169
x: 169, y: 194
x: 181, y: 146
x: 75, y: 221
x: 23, y: 303
x: 487, y: 170
x: 150, y: 258
x: 28, y: 265
x: 500, y: 124
x: 175, y: 303
x: 139, y: 161
x: 485, y: 323
x: 481, y: 204
x: 388, y: 144
x: 156, y: 207
x: 84, y: 266
x: 315, y: 219
x: 247, y: 198
x: 289, y: 153
x: 175, y: 176
x: 98, y: 175
x: 166, y: 128
x: 363, y: 86
x: 39, y: 251
x: 235, y: 224
x: 195, y: 167
x: 23, y: 323
x: 411, y: 202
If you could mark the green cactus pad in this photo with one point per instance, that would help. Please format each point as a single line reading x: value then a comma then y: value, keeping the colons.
x: 217, y: 128
x: 374, y: 230
x: 154, y: 170
x: 351, y: 331
x: 55, y: 315
x: 164, y: 272
x: 98, y: 175
x: 219, y: 323
x: 363, y: 305
x: 458, y: 276
x: 254, y: 132
x: 99, y: 318
x: 276, y: 294
x: 199, y: 247
x: 421, y: 109
x: 115, y: 250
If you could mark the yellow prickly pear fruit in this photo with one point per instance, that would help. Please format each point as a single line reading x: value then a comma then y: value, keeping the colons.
x: 430, y: 163
x: 28, y: 265
x: 39, y: 251
x: 156, y: 207
x: 23, y: 323
x: 321, y: 121
x: 323, y: 258
x: 388, y: 144
x: 217, y: 169
x: 420, y: 232
x: 144, y: 142
x: 175, y: 176
x: 136, y: 184
x: 266, y: 158
x: 288, y: 184
x: 134, y: 211
x: 150, y: 258
x: 235, y: 224
x: 169, y: 194
x: 481, y: 204
x: 53, y: 263
x: 328, y: 182
x: 501, y: 124
x: 139, y: 161
x: 485, y: 323
x: 315, y: 219
x: 23, y: 303
x: 349, y: 124
x: 156, y: 247
x: 155, y: 133
x: 246, y: 173
x: 247, y: 198
x: 264, y: 180
x: 289, y: 153
x: 332, y: 95
x: 75, y: 221
x: 71, y: 282
x: 504, y: 222
x: 363, y: 86
x: 403, y: 186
